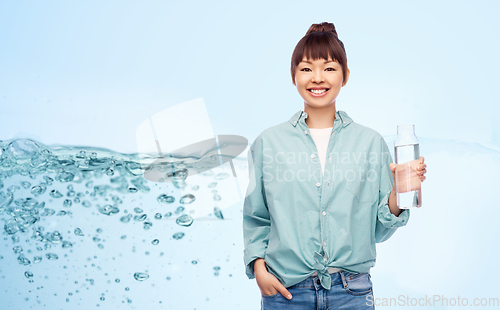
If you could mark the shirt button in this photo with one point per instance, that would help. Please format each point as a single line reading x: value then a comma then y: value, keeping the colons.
x: 324, y: 243
x: 327, y: 183
x: 295, y: 122
x: 324, y: 213
x: 318, y: 282
x: 318, y: 184
x: 305, y: 131
x: 312, y: 156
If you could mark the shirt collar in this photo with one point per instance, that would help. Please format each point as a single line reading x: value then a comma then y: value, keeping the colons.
x: 301, y: 115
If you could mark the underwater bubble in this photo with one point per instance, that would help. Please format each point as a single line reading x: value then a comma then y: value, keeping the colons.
x: 66, y: 244
x: 48, y: 212
x: 187, y: 199
x: 216, y: 268
x: 178, y: 235
x: 17, y: 249
x: 78, y: 232
x: 168, y: 214
x: 138, y: 210
x: 126, y: 218
x: 147, y: 225
x: 55, y: 194
x: 65, y: 176
x: 132, y: 190
x: 158, y: 216
x: 37, y: 259
x: 164, y: 198
x: 48, y: 179
x: 141, y: 276
x: 67, y: 203
x: 123, y: 237
x: 184, y: 220
x: 179, y: 209
x: 11, y: 227
x: 70, y: 187
x: 22, y: 150
x: 71, y: 193
x: 100, y: 246
x: 47, y: 246
x: 195, y: 188
x: 99, y: 230
x: 61, y: 213
x: 216, y: 273
x: 25, y: 184
x: 218, y: 213
x: 55, y: 237
x: 221, y: 176
x: 96, y: 239
x: 212, y: 185
x: 109, y: 210
x: 28, y: 274
x: 155, y: 242
x: 140, y: 218
x: 51, y: 256
x: 22, y: 260
x: 38, y: 189
x: 117, y: 280
x: 86, y: 204
x: 15, y: 239
x: 168, y: 278
x: 194, y: 262
x: 217, y: 197
x: 102, y: 298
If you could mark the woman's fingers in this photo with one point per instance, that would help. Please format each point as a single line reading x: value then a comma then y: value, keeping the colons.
x: 283, y: 291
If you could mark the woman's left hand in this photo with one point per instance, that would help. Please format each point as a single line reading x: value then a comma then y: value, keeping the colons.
x: 417, y: 171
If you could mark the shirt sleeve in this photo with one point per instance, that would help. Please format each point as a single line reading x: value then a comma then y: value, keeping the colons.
x: 256, y: 218
x: 387, y: 223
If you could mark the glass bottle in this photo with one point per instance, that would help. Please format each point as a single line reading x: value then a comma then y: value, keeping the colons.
x: 407, y: 157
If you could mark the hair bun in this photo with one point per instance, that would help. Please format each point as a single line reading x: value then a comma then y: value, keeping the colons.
x: 323, y: 27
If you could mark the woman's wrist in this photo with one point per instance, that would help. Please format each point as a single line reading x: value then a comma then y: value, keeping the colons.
x: 259, y: 265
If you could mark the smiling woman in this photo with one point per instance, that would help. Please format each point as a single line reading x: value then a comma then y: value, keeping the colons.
x: 310, y: 227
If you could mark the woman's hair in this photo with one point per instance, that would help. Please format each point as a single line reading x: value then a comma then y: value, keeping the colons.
x: 320, y: 42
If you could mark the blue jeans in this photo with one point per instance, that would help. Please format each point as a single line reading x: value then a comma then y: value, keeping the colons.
x: 349, y: 291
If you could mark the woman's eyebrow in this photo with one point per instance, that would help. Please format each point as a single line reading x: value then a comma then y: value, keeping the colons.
x: 326, y: 61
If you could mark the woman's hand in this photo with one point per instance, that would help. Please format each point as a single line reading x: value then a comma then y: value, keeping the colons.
x: 267, y: 282
x: 414, y: 171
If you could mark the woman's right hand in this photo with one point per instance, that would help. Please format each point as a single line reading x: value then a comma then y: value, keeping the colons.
x: 267, y: 282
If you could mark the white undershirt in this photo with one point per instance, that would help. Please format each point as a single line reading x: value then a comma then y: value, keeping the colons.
x: 321, y: 138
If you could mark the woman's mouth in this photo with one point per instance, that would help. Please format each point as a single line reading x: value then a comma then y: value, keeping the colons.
x: 318, y: 92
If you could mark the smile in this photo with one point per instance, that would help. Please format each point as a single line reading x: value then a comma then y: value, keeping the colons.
x: 318, y: 92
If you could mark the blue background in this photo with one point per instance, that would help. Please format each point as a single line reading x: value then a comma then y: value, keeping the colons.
x: 88, y: 73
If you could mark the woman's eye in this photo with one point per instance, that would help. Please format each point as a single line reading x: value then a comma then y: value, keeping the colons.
x: 305, y: 69
x: 330, y: 68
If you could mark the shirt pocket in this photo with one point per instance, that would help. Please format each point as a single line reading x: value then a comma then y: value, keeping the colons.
x: 362, y: 182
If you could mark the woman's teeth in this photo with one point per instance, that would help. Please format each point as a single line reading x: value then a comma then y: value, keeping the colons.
x: 318, y: 91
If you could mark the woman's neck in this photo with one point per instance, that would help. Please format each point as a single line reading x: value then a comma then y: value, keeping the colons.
x: 320, y: 118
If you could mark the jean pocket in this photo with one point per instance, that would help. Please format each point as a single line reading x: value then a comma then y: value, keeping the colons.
x: 270, y: 296
x: 358, y: 284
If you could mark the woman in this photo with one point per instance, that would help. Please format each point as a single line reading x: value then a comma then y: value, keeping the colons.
x: 321, y: 192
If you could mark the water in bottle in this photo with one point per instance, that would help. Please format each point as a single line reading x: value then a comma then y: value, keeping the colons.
x: 407, y: 157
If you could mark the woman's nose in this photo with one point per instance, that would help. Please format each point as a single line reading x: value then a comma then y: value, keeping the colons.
x: 318, y: 76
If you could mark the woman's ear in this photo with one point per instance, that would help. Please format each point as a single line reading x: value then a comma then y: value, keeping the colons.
x: 346, y: 77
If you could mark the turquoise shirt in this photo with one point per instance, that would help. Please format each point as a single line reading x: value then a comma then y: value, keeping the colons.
x: 301, y: 220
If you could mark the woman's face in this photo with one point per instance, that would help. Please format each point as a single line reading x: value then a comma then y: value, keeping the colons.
x: 319, y: 81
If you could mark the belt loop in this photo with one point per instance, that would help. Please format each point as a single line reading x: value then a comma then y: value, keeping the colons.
x: 344, y: 282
